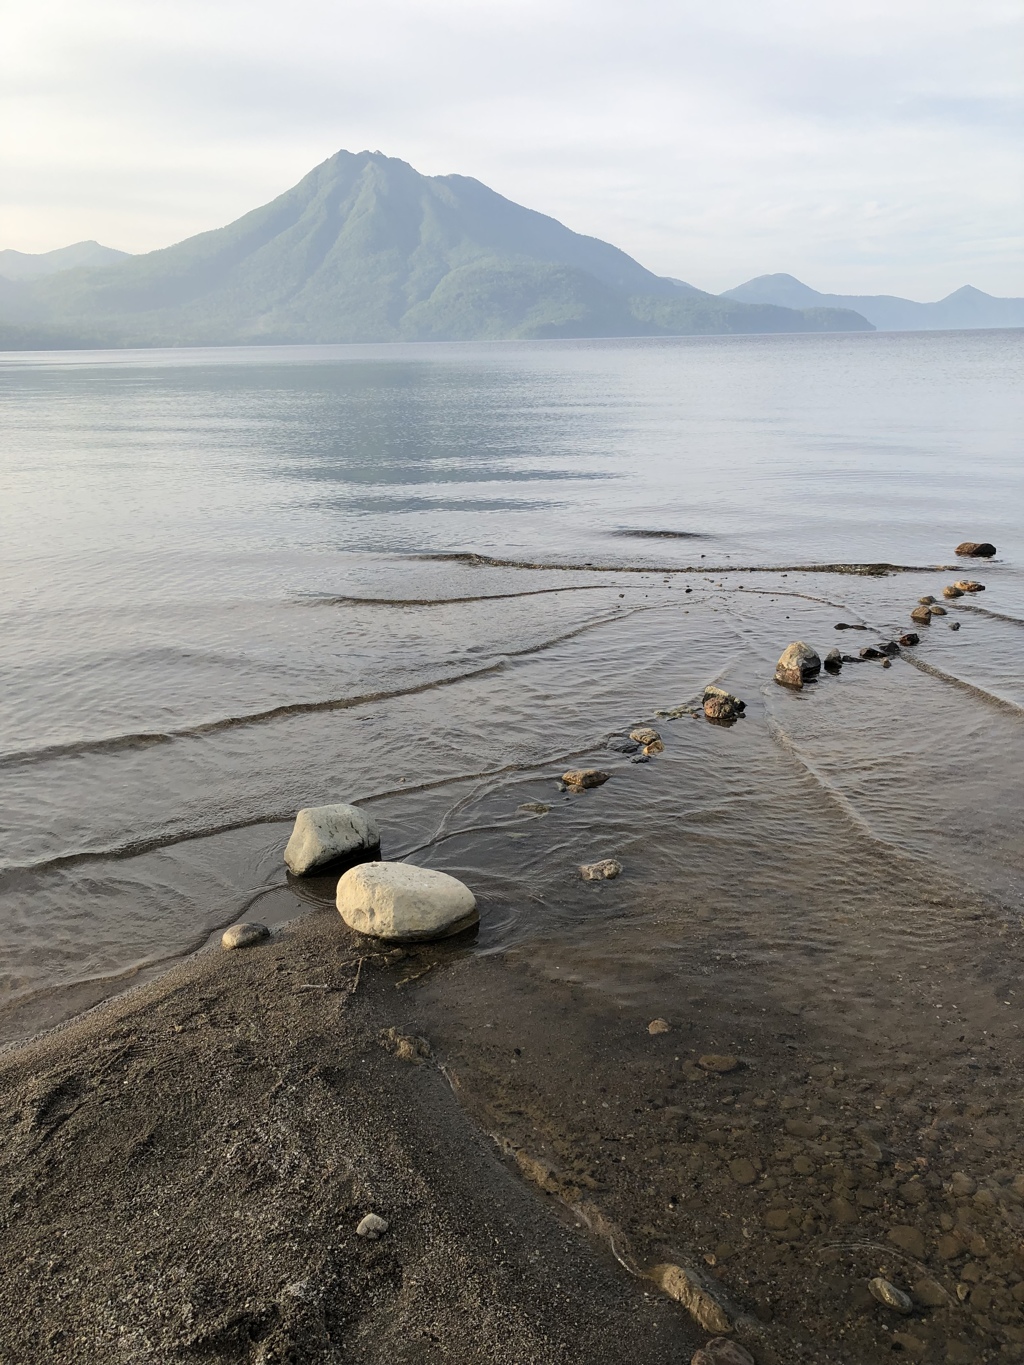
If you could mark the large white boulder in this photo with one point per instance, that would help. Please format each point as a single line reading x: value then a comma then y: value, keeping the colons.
x: 403, y: 903
x: 323, y: 833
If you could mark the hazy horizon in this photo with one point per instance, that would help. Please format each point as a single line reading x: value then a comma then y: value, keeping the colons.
x: 867, y: 153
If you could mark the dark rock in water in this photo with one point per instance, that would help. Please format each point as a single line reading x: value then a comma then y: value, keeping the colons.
x: 911, y: 638
x: 890, y: 647
x: 887, y: 663
x: 926, y: 601
x: 797, y: 665
x: 937, y: 611
x: 580, y: 779
x: 847, y: 625
x: 976, y: 549
x: 954, y: 625
x: 641, y: 758
x: 852, y: 659
x: 870, y: 652
x: 621, y: 744
x: 951, y: 590
x: 533, y: 808
x: 969, y: 585
x: 833, y: 661
x: 923, y: 615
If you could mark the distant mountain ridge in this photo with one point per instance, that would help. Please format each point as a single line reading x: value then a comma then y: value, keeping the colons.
x: 364, y: 248
x: 964, y: 308
x: 24, y: 265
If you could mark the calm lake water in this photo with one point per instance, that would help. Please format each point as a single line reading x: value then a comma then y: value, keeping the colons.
x: 225, y: 596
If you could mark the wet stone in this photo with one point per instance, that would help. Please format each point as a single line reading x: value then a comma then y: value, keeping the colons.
x: 926, y: 601
x: 887, y: 1293
x: 645, y: 735
x: 601, y: 871
x: 938, y: 611
x: 622, y: 744
x: 721, y: 705
x: 922, y: 615
x: 909, y: 639
x: 797, y: 664
x: 951, y: 590
x: 533, y: 808
x: 582, y: 779
x: 977, y: 549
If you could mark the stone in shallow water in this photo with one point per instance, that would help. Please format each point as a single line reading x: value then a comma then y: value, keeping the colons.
x: 797, y: 664
x: 911, y: 638
x: 244, y: 935
x: 323, y: 833
x: 834, y: 660
x: 969, y: 585
x: 937, y: 611
x: 620, y: 744
x: 533, y: 808
x: 721, y: 705
x: 581, y: 779
x: 951, y: 590
x: 923, y: 615
x: 888, y: 1294
x: 976, y: 549
x: 403, y: 903
x: 601, y: 871
x: 645, y: 734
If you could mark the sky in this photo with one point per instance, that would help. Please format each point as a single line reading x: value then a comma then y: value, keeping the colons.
x: 861, y: 145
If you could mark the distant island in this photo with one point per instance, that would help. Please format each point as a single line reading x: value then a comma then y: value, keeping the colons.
x: 364, y: 248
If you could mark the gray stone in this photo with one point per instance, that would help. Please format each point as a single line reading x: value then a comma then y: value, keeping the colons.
x: 372, y: 1227
x: 620, y: 744
x: 797, y: 664
x: 403, y: 903
x: 888, y: 1294
x: 244, y: 935
x: 604, y: 870
x: 834, y: 660
x: 323, y: 833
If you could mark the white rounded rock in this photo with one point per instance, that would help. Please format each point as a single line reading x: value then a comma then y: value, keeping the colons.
x: 244, y: 935
x: 323, y: 833
x: 372, y: 1226
x: 403, y: 903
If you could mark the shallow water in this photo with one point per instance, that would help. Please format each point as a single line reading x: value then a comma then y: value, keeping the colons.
x: 233, y: 587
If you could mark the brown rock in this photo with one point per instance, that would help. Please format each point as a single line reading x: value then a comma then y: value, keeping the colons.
x: 657, y: 1026
x: 923, y: 615
x: 644, y: 734
x: 720, y: 1063
x: 580, y: 779
x: 911, y: 638
x: 695, y: 1291
x: 962, y: 1185
x: 913, y: 1192
x: 721, y: 705
x: 952, y: 591
x: 842, y: 1210
x: 976, y: 549
x: 797, y: 664
x: 908, y: 1239
x: 926, y: 601
x: 937, y: 611
x: 969, y: 585
x: 949, y: 1247
x: 914, y: 1346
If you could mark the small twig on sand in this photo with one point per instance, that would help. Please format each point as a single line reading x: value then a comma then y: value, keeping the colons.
x: 359, y: 972
x: 415, y: 977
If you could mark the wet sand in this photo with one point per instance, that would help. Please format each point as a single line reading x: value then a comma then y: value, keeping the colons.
x: 184, y: 1169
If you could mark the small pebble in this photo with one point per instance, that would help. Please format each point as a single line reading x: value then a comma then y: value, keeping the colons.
x: 720, y: 1063
x: 244, y: 935
x: 954, y: 625
x: 372, y: 1227
x: 888, y: 1294
x: 658, y: 1026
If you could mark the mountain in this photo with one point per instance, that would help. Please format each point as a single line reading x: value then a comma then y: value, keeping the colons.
x: 965, y: 308
x: 364, y: 248
x: 22, y: 265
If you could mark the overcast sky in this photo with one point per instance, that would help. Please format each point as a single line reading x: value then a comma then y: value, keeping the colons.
x: 858, y: 144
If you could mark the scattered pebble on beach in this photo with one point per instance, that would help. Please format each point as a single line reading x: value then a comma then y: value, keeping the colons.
x: 657, y: 1026
x: 888, y: 1294
x: 372, y: 1227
